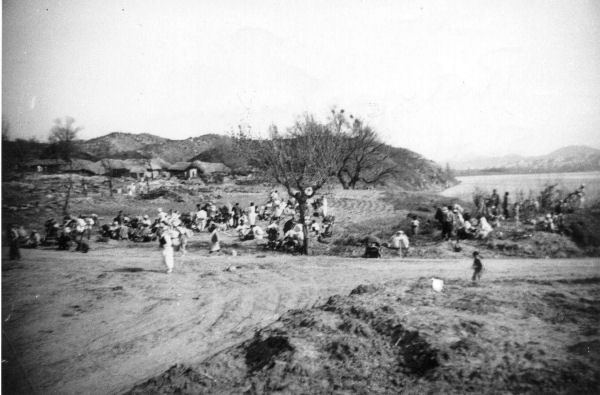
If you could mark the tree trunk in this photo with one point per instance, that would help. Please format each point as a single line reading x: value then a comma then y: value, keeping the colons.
x: 68, y: 197
x: 110, y: 186
x: 302, y: 208
x: 343, y: 181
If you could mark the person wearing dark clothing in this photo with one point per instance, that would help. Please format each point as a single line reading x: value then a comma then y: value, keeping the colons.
x: 505, y: 205
x: 237, y: 214
x: 119, y: 218
x: 495, y: 199
x: 477, y: 267
x: 13, y: 242
x: 372, y: 247
x: 447, y: 221
x: 288, y: 225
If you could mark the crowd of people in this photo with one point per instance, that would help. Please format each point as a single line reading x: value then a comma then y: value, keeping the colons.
x: 491, y: 211
x: 278, y: 225
x: 456, y: 223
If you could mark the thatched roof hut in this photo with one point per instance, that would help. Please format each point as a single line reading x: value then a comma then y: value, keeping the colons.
x: 84, y: 166
x: 211, y: 168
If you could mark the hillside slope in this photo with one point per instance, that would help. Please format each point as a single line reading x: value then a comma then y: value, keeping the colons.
x: 414, y: 171
x: 126, y: 145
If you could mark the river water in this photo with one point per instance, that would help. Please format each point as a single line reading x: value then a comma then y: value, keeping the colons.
x: 513, y: 183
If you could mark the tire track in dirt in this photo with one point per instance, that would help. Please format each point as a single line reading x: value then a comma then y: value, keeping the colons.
x: 155, y: 320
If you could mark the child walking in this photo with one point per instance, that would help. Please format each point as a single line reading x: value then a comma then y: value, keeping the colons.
x: 477, y: 267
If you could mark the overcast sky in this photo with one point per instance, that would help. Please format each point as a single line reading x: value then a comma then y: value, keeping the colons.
x: 445, y: 79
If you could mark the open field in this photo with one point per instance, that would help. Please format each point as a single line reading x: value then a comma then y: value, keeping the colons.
x: 111, y: 320
x: 105, y: 321
x: 513, y: 183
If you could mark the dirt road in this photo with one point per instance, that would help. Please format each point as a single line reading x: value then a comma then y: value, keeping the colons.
x: 101, y: 322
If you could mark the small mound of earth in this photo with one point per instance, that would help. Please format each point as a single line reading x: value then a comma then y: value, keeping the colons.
x: 363, y: 289
x: 401, y: 337
x: 162, y: 192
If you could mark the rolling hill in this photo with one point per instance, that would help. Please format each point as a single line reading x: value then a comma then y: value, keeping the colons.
x: 120, y: 145
x: 415, y: 171
x: 566, y: 159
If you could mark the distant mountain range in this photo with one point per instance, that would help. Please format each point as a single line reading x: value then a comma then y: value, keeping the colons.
x: 571, y: 158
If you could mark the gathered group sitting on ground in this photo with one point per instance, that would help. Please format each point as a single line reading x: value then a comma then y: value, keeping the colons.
x: 454, y: 221
x: 77, y: 231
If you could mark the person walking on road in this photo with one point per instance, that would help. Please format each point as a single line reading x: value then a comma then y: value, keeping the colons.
x: 13, y: 242
x: 167, y: 248
x: 477, y: 267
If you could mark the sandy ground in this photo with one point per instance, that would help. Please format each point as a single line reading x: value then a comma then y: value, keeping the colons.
x: 104, y: 321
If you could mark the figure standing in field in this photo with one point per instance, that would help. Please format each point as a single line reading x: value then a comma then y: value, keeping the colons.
x: 252, y: 214
x: 581, y: 195
x: 447, y: 222
x: 13, y: 242
x: 477, y: 267
x: 495, y: 199
x: 517, y: 211
x: 237, y: 213
x: 215, y: 245
x: 167, y: 248
x: 400, y: 243
x: 505, y: 203
x: 414, y: 226
x: 201, y: 217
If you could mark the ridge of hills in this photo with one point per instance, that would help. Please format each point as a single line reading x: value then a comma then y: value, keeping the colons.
x: 121, y: 145
x: 415, y: 171
x: 565, y: 159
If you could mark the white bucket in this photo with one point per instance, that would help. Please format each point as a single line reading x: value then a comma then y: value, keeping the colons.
x: 437, y: 284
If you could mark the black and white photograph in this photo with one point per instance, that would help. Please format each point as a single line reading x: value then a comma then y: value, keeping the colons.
x: 300, y: 197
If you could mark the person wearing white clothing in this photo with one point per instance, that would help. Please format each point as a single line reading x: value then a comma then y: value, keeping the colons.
x: 484, y: 228
x: 324, y: 207
x: 215, y: 245
x: 252, y: 214
x: 258, y: 232
x: 278, y: 210
x: 167, y: 246
x: 201, y: 217
x: 400, y: 243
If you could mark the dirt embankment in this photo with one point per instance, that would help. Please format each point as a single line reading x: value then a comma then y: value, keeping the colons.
x: 103, y: 321
x: 507, y: 336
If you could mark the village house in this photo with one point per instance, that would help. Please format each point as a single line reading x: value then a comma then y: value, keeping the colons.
x: 212, y: 172
x: 45, y: 165
x: 136, y: 171
x: 83, y: 167
x: 156, y: 168
x: 184, y: 170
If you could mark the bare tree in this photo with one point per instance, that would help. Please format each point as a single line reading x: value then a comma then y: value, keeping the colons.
x: 302, y: 160
x: 62, y: 136
x: 365, y: 157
